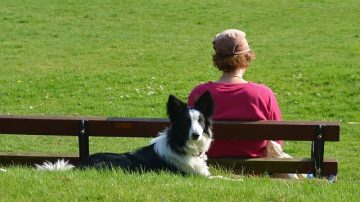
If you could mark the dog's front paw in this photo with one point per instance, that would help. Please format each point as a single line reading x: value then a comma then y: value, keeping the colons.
x: 206, y: 173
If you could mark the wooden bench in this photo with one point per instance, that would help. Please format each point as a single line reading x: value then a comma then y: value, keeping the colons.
x: 85, y: 127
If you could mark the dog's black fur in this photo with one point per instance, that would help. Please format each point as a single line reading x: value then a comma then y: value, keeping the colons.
x: 144, y: 159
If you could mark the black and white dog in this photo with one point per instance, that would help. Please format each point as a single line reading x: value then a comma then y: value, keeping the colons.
x: 179, y: 149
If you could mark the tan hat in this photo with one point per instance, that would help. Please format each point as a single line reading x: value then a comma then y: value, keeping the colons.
x: 231, y: 42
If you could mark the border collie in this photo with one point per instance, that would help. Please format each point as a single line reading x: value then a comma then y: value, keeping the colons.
x: 179, y: 149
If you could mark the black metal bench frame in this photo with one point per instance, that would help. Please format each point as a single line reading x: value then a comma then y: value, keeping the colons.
x: 85, y: 127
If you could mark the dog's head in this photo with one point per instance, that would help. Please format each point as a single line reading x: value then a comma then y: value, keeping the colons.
x: 190, y: 131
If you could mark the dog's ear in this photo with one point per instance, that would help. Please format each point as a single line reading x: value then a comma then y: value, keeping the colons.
x: 205, y: 104
x: 175, y: 107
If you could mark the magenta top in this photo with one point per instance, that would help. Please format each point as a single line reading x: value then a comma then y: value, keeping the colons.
x: 241, y: 102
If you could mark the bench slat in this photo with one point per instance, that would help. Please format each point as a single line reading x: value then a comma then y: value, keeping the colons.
x: 18, y: 158
x: 37, y: 125
x: 256, y: 165
x: 276, y: 130
x: 139, y: 127
x: 275, y: 165
x: 127, y: 127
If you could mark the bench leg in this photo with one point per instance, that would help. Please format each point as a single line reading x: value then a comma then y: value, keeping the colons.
x: 317, y: 152
x: 83, y: 140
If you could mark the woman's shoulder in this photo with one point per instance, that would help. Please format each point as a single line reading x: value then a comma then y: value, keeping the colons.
x: 260, y: 91
x: 197, y: 91
x: 260, y: 87
x: 202, y: 87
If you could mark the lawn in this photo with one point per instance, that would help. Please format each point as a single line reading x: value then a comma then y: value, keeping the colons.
x: 123, y: 58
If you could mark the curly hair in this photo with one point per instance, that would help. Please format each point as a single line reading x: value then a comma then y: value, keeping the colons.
x: 230, y: 63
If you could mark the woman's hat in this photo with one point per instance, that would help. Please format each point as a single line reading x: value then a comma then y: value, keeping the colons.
x: 231, y: 42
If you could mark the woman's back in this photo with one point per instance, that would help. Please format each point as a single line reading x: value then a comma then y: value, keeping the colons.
x: 242, y: 102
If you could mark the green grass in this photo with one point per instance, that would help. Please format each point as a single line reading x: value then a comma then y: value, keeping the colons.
x: 123, y: 58
x: 115, y: 185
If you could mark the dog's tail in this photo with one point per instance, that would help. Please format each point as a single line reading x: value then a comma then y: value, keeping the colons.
x: 60, y: 164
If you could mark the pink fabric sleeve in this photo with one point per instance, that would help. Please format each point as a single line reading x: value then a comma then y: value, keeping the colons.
x: 274, y: 109
x: 275, y: 113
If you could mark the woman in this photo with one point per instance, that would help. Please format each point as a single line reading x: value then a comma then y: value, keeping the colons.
x: 235, y: 98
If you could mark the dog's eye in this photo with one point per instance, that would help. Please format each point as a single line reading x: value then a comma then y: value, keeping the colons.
x: 201, y: 119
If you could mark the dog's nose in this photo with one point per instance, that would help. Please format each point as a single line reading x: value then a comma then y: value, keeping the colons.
x: 195, y: 136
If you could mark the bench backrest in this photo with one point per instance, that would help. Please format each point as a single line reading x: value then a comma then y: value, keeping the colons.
x: 150, y: 127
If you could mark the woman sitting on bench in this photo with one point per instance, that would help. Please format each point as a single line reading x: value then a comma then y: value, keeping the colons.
x: 236, y: 98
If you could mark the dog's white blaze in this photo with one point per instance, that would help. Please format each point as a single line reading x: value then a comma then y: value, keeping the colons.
x: 202, y: 144
x: 195, y: 126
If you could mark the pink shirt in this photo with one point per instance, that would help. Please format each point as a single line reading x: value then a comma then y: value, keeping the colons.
x: 241, y: 102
